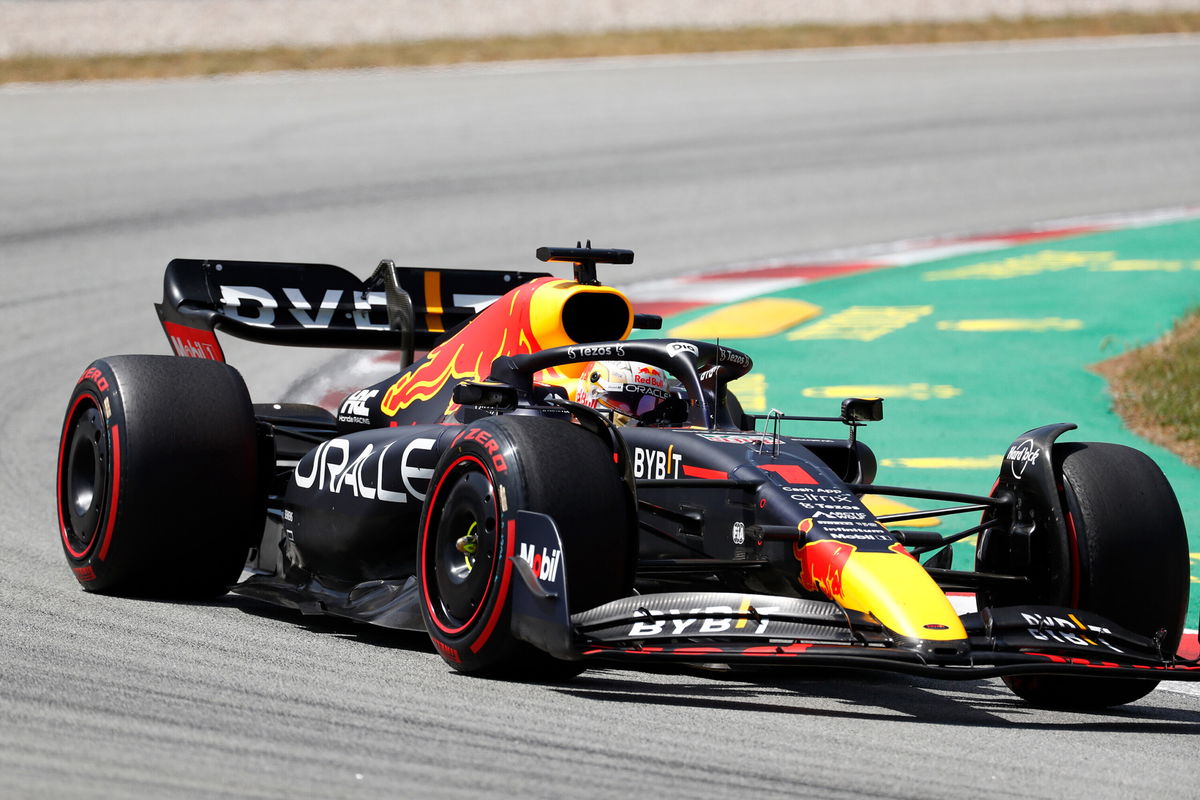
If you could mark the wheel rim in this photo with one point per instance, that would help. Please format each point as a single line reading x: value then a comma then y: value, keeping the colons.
x: 464, y: 547
x: 84, y: 481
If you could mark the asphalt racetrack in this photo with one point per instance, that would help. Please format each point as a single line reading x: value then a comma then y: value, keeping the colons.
x: 695, y: 163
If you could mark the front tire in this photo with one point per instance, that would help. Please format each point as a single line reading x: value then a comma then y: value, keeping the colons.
x: 157, y: 481
x: 1127, y: 560
x: 497, y: 467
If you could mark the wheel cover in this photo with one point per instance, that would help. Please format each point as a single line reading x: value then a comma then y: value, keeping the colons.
x: 461, y: 560
x: 83, y: 480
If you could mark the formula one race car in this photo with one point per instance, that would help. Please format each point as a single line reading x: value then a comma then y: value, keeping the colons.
x: 541, y: 493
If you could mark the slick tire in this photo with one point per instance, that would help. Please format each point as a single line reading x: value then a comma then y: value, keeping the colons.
x: 497, y: 467
x: 157, y: 481
x: 1128, y: 561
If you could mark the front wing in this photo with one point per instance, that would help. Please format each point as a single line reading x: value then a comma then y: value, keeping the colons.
x: 737, y: 628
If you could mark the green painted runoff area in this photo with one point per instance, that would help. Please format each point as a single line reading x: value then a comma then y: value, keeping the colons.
x: 972, y: 351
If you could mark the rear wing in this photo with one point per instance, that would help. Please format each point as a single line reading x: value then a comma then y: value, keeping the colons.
x: 320, y: 305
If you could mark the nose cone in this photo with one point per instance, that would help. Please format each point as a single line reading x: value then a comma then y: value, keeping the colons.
x: 890, y: 586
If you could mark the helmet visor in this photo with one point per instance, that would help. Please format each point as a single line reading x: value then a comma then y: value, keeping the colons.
x: 632, y: 402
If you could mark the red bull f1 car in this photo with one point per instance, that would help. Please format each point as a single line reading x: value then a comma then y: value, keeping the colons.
x: 541, y: 493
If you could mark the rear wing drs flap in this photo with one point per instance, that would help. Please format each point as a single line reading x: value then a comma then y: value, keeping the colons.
x: 320, y: 305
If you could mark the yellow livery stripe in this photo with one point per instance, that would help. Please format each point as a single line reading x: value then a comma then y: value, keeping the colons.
x: 433, y: 300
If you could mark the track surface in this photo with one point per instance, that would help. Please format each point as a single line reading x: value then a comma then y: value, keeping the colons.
x: 694, y: 163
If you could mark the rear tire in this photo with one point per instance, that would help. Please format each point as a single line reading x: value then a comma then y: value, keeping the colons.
x: 1128, y: 561
x: 157, y: 483
x: 497, y: 467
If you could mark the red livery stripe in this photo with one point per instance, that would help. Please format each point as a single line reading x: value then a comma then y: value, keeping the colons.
x: 701, y: 472
x: 791, y: 473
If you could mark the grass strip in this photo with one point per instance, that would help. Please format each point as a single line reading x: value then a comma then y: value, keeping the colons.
x: 520, y: 48
x: 1156, y: 389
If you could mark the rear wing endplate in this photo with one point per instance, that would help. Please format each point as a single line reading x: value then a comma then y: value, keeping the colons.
x: 320, y: 305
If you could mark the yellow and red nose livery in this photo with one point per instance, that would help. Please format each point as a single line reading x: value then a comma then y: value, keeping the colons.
x: 821, y: 566
x: 890, y: 586
x: 540, y: 314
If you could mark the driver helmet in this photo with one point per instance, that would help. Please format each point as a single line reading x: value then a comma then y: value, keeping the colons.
x: 630, y: 389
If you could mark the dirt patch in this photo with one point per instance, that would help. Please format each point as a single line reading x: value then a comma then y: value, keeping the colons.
x: 1156, y: 389
x: 648, y: 42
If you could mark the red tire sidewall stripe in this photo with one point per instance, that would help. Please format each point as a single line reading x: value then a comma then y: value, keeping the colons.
x: 502, y: 595
x: 431, y: 505
x: 116, y: 491
x: 62, y: 452
x: 1076, y: 566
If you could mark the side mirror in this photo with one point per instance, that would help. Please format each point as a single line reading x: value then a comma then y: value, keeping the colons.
x: 862, y: 409
x: 485, y: 394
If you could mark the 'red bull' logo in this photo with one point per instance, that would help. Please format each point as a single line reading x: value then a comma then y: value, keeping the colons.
x: 649, y: 376
x: 821, y: 565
